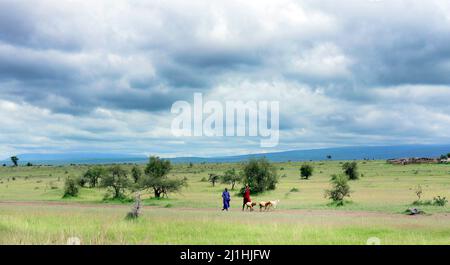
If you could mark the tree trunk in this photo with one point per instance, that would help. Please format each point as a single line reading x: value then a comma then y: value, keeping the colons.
x: 117, y: 192
x: 157, y: 193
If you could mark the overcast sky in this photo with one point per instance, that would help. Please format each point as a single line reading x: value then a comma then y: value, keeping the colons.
x: 101, y: 76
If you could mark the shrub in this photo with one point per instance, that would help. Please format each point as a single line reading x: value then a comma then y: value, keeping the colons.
x: 70, y: 188
x: 294, y: 190
x: 422, y: 203
x: 339, y: 189
x: 203, y: 180
x: 351, y: 170
x: 306, y: 171
x: 440, y: 201
x: 260, y: 175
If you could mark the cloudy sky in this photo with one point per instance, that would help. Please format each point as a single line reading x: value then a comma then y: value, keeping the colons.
x: 101, y: 76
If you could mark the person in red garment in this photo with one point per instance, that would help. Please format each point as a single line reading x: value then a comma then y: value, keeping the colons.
x: 246, y: 196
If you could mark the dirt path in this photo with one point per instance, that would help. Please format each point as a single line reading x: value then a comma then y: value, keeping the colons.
x: 304, y: 212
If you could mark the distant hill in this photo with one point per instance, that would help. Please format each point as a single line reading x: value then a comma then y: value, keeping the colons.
x: 77, y: 158
x: 339, y: 153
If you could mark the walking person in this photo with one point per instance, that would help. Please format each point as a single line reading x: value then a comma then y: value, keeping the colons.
x: 246, y: 196
x: 226, y: 199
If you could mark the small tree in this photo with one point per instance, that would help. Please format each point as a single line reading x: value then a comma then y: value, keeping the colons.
x: 136, y: 173
x: 260, y: 174
x: 231, y: 177
x: 156, y: 178
x: 339, y: 189
x: 70, y: 187
x: 15, y: 160
x: 93, y: 175
x: 351, y: 170
x: 306, y: 171
x: 213, y: 178
x: 117, y: 180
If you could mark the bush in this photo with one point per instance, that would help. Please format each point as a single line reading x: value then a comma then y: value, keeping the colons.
x: 70, y: 188
x: 306, y: 171
x: 422, y: 203
x: 93, y: 175
x: 351, y: 170
x: 260, y: 175
x: 231, y: 177
x: 339, y: 189
x: 440, y: 201
x: 294, y: 190
x: 213, y: 178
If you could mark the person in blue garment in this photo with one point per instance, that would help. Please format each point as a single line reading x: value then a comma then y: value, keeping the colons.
x: 226, y: 199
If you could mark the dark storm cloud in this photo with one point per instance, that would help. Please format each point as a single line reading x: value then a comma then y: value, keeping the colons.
x: 376, y: 69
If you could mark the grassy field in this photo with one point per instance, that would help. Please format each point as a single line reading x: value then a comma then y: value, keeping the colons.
x: 33, y: 212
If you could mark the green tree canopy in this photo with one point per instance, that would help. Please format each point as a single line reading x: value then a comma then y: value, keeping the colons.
x: 260, y: 175
x: 231, y: 177
x: 116, y: 179
x: 306, y: 171
x: 155, y: 178
x: 93, y: 175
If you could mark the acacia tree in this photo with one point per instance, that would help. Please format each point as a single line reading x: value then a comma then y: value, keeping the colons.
x: 213, y: 178
x: 231, y: 177
x: 14, y: 160
x: 117, y: 180
x: 93, y: 175
x: 155, y: 178
x: 306, y: 171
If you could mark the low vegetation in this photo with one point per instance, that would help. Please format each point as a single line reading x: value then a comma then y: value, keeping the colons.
x: 70, y: 188
x: 351, y: 170
x: 339, y: 189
